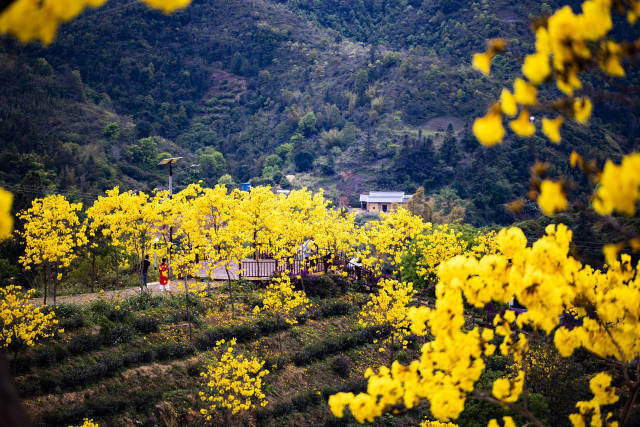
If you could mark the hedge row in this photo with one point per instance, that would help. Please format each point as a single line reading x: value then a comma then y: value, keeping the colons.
x: 83, y: 343
x: 108, y: 367
x: 321, y: 349
x: 251, y: 331
x: 102, y: 406
x: 307, y: 399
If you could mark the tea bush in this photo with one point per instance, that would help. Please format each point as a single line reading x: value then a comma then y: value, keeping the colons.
x: 341, y: 365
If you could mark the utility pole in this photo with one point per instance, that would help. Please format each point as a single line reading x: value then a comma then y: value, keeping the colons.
x: 170, y: 161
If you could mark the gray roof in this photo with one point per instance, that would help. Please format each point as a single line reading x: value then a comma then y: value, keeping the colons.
x: 385, y: 197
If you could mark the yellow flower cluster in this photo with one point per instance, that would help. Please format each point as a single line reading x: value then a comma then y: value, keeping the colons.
x: 87, y: 422
x: 130, y: 220
x: 390, y: 306
x: 508, y: 422
x: 619, y: 188
x: 552, y: 198
x: 547, y: 281
x: 590, y: 413
x: 218, y: 227
x: 431, y: 423
x: 6, y: 220
x: 22, y: 323
x: 232, y: 382
x: 30, y: 20
x: 441, y: 244
x: 385, y: 241
x: 52, y: 232
x: 283, y: 301
x: 565, y: 44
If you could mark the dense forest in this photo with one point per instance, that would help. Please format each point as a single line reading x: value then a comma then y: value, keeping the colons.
x: 347, y: 96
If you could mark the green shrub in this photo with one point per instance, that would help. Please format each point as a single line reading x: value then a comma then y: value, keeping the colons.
x: 116, y: 334
x: 145, y: 324
x: 144, y: 301
x: 341, y: 365
x: 100, y: 307
x: 66, y: 310
x: 173, y: 351
x: 84, y: 343
x: 138, y: 357
x: 118, y: 315
x: 332, y: 345
x: 337, y: 308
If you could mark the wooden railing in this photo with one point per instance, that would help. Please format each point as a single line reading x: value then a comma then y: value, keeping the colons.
x: 261, y: 268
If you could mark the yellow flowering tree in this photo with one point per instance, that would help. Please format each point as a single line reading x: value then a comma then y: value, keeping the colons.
x: 31, y: 20
x: 131, y: 222
x: 547, y: 281
x: 225, y: 237
x: 390, y: 307
x: 383, y: 242
x: 283, y: 302
x: 296, y: 223
x: 189, y: 237
x: 52, y: 233
x: 231, y: 383
x: 259, y: 207
x: 22, y: 324
x: 443, y: 242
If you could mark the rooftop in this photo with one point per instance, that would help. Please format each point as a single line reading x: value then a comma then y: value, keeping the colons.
x: 385, y: 197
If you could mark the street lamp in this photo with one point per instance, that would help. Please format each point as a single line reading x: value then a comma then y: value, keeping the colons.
x: 170, y: 161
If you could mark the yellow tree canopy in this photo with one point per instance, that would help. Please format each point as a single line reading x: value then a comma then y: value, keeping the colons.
x: 52, y: 232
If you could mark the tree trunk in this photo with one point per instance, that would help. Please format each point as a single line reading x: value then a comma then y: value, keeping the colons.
x: 117, y: 270
x: 55, y: 289
x: 186, y: 296
x: 233, y: 311
x: 93, y: 273
x: 47, y: 276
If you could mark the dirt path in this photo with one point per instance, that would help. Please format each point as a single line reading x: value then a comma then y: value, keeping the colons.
x: 154, y: 288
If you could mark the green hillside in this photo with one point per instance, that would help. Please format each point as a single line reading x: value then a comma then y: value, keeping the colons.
x: 348, y: 96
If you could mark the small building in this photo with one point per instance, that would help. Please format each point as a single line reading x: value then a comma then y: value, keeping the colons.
x: 383, y: 201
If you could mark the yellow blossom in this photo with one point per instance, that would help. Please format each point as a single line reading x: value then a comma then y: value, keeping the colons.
x: 508, y: 103
x: 524, y: 92
x: 619, y: 187
x: 6, y: 220
x: 551, y: 128
x: 609, y: 60
x: 522, y: 126
x: 482, y: 62
x: 536, y: 67
x: 582, y: 109
x: 552, y: 198
x: 489, y: 129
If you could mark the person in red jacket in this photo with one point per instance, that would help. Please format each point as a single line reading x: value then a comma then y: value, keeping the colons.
x: 164, y: 274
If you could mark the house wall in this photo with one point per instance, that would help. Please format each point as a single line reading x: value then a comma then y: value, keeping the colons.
x: 373, y: 207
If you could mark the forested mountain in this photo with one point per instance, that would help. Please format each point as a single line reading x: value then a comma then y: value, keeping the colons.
x: 345, y: 95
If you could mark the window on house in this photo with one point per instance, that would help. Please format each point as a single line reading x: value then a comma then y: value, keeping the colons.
x: 384, y: 208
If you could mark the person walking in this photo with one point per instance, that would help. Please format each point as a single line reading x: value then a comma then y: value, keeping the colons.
x: 145, y: 269
x: 164, y: 274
